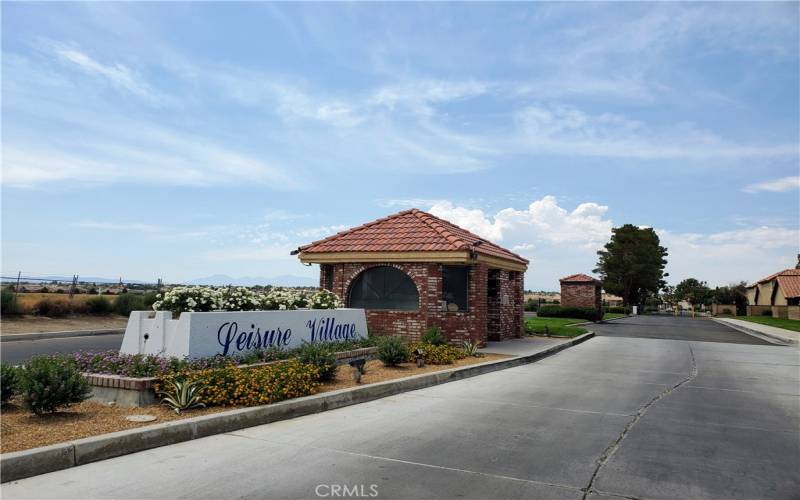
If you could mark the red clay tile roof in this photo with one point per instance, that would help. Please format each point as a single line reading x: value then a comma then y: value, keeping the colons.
x: 409, y: 231
x: 788, y: 280
x: 578, y: 278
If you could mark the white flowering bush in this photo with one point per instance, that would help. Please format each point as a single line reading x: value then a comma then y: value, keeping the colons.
x: 188, y: 299
x: 200, y: 299
x: 279, y: 299
x: 239, y: 299
x: 323, y: 299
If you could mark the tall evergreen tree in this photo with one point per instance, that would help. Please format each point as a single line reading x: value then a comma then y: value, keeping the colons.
x: 632, y: 264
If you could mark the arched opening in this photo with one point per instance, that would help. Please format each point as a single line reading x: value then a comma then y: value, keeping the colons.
x: 384, y: 287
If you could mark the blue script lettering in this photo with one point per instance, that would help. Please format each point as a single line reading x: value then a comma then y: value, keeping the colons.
x: 229, y: 334
x: 328, y: 331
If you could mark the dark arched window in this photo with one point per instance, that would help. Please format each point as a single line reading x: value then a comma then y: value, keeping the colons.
x: 384, y: 287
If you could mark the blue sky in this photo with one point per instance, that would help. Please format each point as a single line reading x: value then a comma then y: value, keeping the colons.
x: 182, y: 140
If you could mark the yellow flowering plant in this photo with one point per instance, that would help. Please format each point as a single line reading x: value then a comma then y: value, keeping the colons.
x: 232, y: 386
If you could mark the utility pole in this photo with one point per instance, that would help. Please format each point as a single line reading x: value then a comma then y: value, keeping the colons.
x: 16, y: 289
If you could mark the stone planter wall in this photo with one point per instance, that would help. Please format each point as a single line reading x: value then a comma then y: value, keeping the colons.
x: 137, y: 392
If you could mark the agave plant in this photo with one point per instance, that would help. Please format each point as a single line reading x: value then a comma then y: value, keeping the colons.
x: 470, y: 348
x: 181, y: 395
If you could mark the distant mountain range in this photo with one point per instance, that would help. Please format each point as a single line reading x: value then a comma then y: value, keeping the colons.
x: 282, y: 280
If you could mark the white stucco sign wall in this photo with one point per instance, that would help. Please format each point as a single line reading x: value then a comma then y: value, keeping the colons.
x: 202, y: 334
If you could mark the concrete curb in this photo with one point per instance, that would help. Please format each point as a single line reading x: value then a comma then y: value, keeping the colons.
x: 16, y: 337
x: 27, y: 463
x: 772, y: 339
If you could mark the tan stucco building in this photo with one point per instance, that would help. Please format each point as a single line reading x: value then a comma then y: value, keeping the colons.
x: 778, y: 293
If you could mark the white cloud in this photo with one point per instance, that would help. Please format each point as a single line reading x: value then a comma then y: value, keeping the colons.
x: 320, y: 232
x: 775, y: 185
x: 114, y: 226
x: 420, y: 95
x: 567, y: 130
x: 730, y: 256
x: 543, y: 220
x: 119, y: 75
x: 561, y: 242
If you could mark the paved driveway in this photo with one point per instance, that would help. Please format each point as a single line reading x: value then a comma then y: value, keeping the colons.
x: 675, y: 328
x: 614, y: 416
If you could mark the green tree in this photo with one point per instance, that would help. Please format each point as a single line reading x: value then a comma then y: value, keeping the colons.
x: 732, y: 294
x: 694, y: 292
x: 631, y: 265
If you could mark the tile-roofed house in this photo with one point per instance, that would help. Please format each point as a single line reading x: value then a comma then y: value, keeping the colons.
x: 410, y: 231
x: 578, y: 278
x: 412, y: 271
x: 581, y: 290
x: 778, y: 292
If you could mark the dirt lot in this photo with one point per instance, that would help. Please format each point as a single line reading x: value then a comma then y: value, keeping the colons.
x: 31, y: 324
x: 20, y: 430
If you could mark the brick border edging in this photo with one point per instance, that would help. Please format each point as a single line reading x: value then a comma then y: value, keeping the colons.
x: 27, y: 463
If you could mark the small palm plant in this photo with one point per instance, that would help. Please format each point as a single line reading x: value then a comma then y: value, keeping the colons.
x: 470, y: 348
x: 181, y: 395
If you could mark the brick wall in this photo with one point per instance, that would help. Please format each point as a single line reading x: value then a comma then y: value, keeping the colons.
x: 505, y: 306
x: 580, y: 295
x: 411, y: 325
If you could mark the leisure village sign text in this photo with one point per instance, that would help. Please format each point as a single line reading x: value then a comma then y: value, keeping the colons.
x: 203, y: 334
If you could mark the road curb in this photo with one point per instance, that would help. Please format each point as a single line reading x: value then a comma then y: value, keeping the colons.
x: 772, y: 339
x: 16, y: 337
x: 27, y: 463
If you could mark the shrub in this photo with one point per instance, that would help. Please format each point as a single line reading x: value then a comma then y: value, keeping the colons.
x: 322, y: 357
x: 434, y: 336
x: 9, y: 382
x: 44, y: 289
x: 238, y: 299
x: 149, y: 299
x: 231, y: 386
x: 188, y: 299
x: 125, y: 303
x: 52, y: 308
x: 619, y: 310
x: 727, y: 311
x: 324, y: 299
x: 470, y: 348
x: 98, y: 305
x: 50, y: 383
x: 586, y: 313
x: 8, y: 303
x: 531, y: 305
x: 438, y: 354
x: 181, y: 395
x: 392, y: 351
x: 766, y: 312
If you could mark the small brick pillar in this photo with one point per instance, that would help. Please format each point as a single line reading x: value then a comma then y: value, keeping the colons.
x: 583, y: 291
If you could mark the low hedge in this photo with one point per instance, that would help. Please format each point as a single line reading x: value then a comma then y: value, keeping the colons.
x: 586, y: 313
x: 231, y: 386
x: 619, y: 310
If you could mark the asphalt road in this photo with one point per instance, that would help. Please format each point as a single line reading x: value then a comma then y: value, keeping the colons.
x: 674, y: 328
x: 20, y: 350
x: 613, y: 417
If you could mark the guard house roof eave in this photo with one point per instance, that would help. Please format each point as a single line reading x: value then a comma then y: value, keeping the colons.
x: 448, y: 257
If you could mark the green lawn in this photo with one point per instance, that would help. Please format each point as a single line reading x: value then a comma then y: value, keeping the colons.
x: 555, y: 326
x: 613, y: 315
x: 788, y: 324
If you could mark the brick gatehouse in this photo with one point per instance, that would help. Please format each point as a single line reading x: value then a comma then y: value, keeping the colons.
x: 411, y: 271
x: 580, y: 290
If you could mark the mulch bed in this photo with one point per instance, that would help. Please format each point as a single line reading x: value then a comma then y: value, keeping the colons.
x: 21, y: 430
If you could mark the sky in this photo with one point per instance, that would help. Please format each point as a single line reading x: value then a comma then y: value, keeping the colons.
x: 182, y: 140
